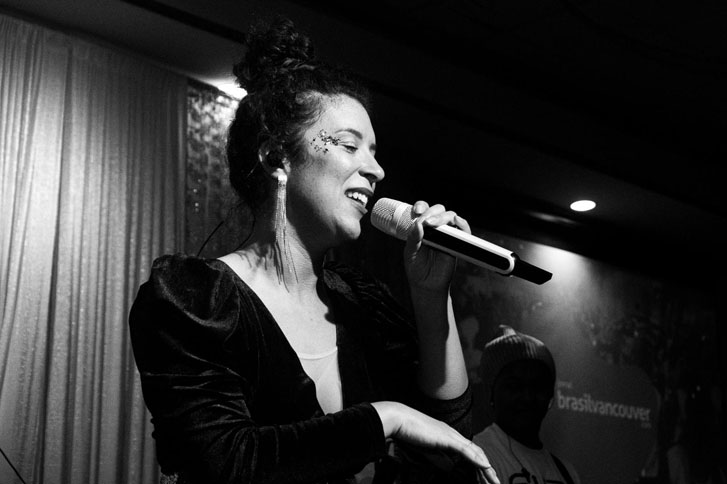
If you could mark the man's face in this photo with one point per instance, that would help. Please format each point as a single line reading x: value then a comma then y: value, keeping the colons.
x: 521, y: 395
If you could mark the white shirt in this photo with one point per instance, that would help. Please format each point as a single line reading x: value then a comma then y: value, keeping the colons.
x: 323, y: 370
x: 518, y: 464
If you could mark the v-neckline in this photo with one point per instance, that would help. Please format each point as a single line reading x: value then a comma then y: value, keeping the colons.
x: 352, y: 363
x: 259, y: 301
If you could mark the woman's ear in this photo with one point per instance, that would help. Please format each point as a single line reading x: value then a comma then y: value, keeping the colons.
x: 272, y: 164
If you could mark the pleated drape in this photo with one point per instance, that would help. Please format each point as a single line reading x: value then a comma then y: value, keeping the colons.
x: 91, y: 191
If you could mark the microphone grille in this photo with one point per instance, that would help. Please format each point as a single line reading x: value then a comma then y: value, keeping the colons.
x: 392, y: 217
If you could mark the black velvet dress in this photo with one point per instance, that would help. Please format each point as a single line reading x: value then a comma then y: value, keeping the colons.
x: 229, y: 399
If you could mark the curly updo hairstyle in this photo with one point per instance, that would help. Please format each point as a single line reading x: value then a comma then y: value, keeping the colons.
x: 286, y: 90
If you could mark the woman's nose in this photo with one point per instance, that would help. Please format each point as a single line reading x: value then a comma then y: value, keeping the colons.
x: 372, y: 170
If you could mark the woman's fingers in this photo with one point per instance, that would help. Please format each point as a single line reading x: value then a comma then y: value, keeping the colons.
x: 409, y: 425
x: 484, y: 468
x: 419, y: 208
x: 487, y: 475
x: 491, y: 475
x: 436, y: 215
x: 476, y: 454
x: 462, y: 224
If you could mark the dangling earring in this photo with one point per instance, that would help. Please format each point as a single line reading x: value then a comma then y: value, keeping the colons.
x: 282, y: 256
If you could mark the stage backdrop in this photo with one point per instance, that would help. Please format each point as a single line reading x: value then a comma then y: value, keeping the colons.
x: 626, y: 348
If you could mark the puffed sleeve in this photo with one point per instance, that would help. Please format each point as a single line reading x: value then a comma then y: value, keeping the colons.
x: 200, y: 351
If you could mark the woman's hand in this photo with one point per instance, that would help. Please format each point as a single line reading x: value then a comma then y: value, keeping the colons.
x: 408, y: 425
x: 426, y: 268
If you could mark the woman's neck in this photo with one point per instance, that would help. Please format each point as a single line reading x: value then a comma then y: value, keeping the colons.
x: 291, y: 264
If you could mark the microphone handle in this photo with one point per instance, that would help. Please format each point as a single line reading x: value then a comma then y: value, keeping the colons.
x: 482, y: 253
x: 473, y: 249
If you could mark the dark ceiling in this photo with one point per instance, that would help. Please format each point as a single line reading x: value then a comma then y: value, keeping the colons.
x: 504, y: 110
x: 652, y: 73
x: 652, y: 70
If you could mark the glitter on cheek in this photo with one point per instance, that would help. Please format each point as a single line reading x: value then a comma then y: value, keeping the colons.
x: 325, y: 140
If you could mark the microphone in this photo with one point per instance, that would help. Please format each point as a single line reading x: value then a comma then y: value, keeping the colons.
x: 394, y: 218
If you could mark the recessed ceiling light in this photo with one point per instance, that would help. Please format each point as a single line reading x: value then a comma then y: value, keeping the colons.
x: 583, y: 205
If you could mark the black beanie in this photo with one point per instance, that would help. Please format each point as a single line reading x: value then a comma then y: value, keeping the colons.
x: 510, y: 346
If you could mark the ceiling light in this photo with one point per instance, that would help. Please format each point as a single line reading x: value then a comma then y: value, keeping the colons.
x: 583, y: 205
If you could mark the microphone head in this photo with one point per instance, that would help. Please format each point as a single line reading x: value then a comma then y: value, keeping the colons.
x: 392, y: 217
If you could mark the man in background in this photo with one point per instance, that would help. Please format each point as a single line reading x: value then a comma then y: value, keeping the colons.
x: 520, y: 373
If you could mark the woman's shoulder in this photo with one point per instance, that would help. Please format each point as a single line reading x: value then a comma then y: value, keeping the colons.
x: 189, y: 308
x: 181, y: 271
x: 181, y: 264
x: 192, y: 283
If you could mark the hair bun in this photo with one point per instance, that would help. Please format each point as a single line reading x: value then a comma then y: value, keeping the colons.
x: 273, y: 51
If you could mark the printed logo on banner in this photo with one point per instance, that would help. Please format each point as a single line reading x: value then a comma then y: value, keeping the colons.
x: 568, y: 399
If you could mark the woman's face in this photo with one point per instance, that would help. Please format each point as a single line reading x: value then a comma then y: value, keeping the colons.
x: 329, y: 191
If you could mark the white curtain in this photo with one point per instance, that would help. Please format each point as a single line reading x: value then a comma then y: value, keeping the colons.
x: 91, y: 191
